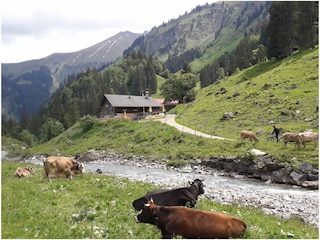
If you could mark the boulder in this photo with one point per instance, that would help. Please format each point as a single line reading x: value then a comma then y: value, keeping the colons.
x: 313, y: 185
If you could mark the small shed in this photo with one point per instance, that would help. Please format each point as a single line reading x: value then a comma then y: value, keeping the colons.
x: 128, y: 106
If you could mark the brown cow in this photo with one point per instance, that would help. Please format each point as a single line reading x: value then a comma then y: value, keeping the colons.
x: 62, y: 166
x: 248, y: 134
x: 23, y: 171
x: 291, y: 137
x: 192, y: 223
x: 309, y: 137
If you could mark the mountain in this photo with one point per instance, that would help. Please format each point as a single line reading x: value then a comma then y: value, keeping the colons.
x: 205, y: 33
x: 198, y: 37
x: 28, y: 85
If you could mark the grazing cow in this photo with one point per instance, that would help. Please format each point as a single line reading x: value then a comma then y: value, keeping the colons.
x: 309, y: 137
x: 23, y: 171
x: 248, y: 134
x: 291, y: 137
x: 62, y: 166
x: 173, y: 197
x: 191, y: 223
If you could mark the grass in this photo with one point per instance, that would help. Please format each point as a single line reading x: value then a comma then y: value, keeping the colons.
x: 284, y: 93
x: 99, y: 206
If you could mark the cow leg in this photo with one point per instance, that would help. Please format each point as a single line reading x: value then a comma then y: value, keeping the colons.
x: 68, y: 173
x: 166, y: 235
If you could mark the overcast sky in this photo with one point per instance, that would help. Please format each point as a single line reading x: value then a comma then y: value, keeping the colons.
x: 33, y: 29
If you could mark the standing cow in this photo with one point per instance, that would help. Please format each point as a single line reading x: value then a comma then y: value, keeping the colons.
x: 192, y: 223
x: 62, y: 167
x: 291, y: 137
x: 248, y: 134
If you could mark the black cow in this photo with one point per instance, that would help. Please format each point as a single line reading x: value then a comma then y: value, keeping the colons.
x: 174, y: 197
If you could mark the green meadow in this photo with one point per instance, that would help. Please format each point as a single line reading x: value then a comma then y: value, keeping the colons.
x: 99, y: 206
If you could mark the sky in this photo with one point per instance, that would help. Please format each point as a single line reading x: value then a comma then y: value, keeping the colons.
x: 33, y: 29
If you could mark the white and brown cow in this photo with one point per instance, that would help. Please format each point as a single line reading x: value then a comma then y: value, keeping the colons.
x: 23, y: 171
x: 62, y: 167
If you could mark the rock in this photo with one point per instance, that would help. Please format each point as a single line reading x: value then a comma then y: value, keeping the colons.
x: 281, y: 176
x: 90, y: 156
x: 313, y: 185
x: 227, y: 115
x: 305, y: 167
x: 298, y: 178
x: 257, y: 152
x: 268, y: 182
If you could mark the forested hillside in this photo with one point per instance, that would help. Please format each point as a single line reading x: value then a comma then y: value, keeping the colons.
x: 204, y: 34
x: 82, y: 95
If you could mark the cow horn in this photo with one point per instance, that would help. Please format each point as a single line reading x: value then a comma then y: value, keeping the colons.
x: 147, y: 204
x: 152, y: 200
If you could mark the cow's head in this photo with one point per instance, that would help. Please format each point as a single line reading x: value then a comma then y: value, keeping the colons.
x: 81, y: 168
x: 147, y: 214
x: 199, y: 184
x: 78, y: 168
x: 138, y: 204
x: 29, y: 168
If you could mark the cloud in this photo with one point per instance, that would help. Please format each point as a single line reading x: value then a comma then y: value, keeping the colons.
x: 36, y: 28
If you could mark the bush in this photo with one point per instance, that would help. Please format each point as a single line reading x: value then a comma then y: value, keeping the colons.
x: 87, y: 122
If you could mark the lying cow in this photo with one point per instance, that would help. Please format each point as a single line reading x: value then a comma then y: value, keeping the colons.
x: 23, y: 171
x: 174, y: 197
x: 62, y: 167
x: 191, y: 223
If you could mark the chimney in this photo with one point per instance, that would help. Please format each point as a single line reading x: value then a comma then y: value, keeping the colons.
x: 146, y: 94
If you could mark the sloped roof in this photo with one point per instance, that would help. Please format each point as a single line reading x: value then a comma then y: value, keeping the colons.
x: 131, y: 101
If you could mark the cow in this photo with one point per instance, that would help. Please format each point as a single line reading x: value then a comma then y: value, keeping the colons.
x: 174, y: 197
x: 248, y: 134
x: 191, y: 223
x: 23, y: 171
x: 291, y: 137
x: 62, y: 166
x: 309, y: 137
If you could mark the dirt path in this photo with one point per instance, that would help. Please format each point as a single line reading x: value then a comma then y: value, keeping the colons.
x: 170, y: 120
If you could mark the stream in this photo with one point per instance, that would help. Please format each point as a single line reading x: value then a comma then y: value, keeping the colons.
x: 284, y: 201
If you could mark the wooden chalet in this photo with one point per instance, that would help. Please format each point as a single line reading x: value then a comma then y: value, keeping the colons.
x: 128, y: 106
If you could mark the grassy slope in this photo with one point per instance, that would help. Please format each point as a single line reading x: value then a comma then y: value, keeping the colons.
x: 284, y: 92
x: 97, y: 206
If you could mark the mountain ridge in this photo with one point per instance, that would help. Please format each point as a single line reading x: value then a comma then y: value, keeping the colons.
x: 191, y: 35
x: 29, y: 84
x: 111, y: 45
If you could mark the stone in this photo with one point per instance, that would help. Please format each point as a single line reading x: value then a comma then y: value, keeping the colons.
x: 313, y: 185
